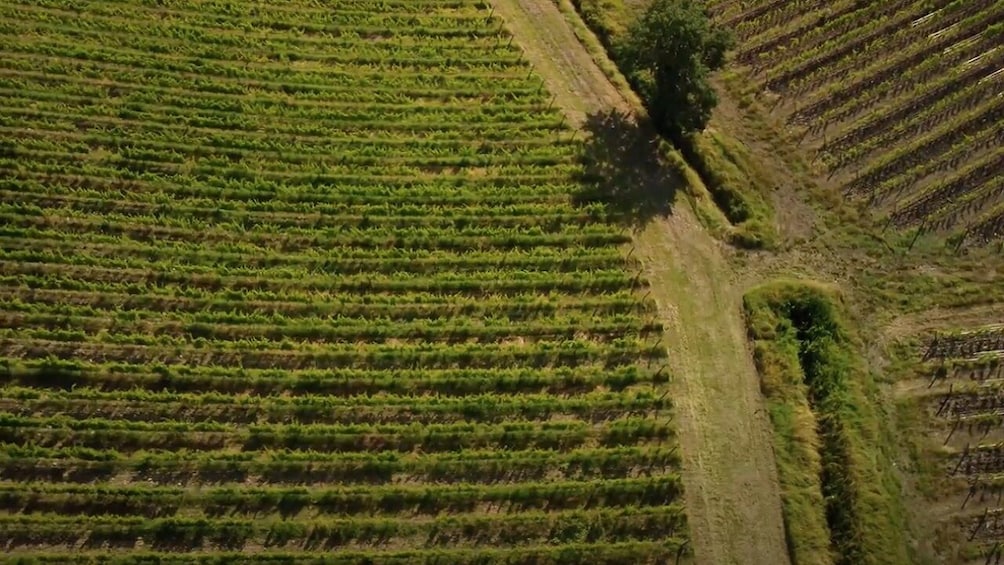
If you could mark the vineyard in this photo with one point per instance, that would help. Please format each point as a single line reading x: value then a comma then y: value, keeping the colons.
x: 964, y: 397
x: 306, y: 280
x: 902, y: 101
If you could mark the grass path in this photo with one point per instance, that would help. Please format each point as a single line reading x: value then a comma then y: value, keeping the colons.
x: 733, y: 497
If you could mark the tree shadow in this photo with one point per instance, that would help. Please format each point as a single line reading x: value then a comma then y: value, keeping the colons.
x: 624, y: 169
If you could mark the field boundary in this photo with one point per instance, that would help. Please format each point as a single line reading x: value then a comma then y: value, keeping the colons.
x: 730, y: 479
x: 841, y: 499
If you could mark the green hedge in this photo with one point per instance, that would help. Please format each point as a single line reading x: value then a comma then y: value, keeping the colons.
x: 840, y: 499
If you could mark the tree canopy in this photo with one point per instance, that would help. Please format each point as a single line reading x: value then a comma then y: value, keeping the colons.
x: 669, y: 53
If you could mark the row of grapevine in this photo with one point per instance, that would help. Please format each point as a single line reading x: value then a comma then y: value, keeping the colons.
x: 964, y: 401
x: 307, y: 281
x: 901, y: 99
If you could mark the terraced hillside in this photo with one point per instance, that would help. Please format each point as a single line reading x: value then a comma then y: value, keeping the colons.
x: 304, y: 279
x: 902, y: 100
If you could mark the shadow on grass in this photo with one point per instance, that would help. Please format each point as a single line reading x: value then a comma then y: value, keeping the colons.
x: 623, y: 168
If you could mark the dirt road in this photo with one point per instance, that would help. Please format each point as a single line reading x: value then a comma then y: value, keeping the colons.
x: 732, y: 492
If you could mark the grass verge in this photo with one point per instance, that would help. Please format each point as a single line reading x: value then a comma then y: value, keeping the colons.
x: 726, y: 172
x: 840, y: 498
x: 701, y: 200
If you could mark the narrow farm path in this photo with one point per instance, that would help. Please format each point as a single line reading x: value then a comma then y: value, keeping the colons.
x: 732, y: 492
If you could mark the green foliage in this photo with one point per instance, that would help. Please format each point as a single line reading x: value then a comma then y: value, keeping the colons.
x: 733, y: 180
x: 313, y: 287
x: 840, y: 497
x: 604, y: 17
x: 731, y: 175
x: 669, y: 53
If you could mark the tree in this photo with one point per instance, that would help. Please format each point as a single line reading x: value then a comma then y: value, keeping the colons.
x: 669, y: 53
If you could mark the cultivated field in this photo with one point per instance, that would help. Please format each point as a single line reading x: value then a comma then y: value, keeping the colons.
x: 282, y: 281
x: 902, y: 101
x: 959, y: 388
x: 887, y: 437
x: 901, y: 104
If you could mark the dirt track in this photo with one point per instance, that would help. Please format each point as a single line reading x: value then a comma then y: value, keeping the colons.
x: 733, y: 500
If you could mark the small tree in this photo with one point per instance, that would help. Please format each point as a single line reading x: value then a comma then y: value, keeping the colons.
x: 668, y: 54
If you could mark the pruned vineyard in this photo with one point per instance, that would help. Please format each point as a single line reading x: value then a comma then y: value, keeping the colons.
x: 903, y: 100
x: 965, y: 398
x: 967, y: 344
x: 305, y: 280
